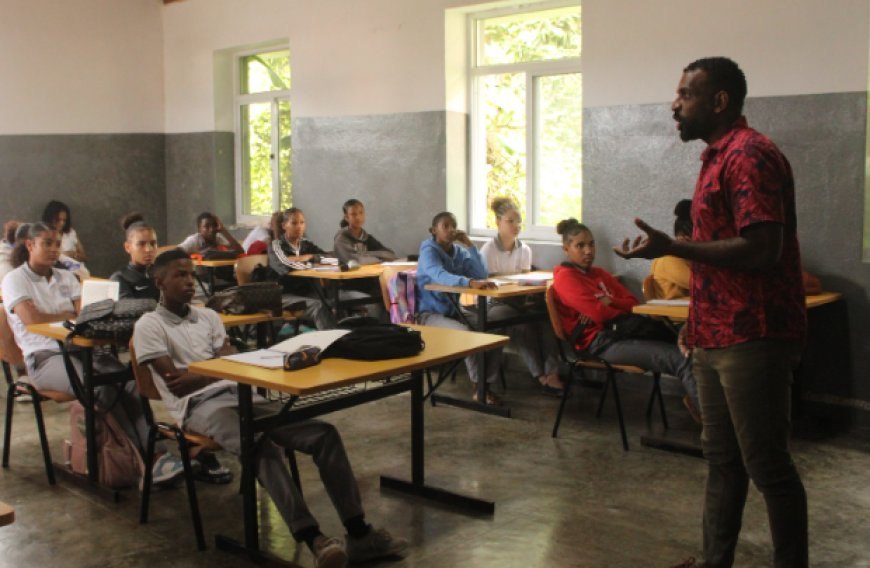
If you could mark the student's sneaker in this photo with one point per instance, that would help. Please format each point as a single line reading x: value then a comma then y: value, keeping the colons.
x: 329, y: 552
x: 166, y: 468
x: 379, y: 543
x: 210, y: 470
x: 21, y: 393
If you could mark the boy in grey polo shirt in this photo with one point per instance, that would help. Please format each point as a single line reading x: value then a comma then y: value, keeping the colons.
x: 175, y: 335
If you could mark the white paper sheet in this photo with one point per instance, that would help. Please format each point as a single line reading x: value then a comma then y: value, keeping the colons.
x: 97, y: 290
x: 273, y: 358
x: 677, y: 302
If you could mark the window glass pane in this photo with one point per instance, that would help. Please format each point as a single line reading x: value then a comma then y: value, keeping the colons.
x: 502, y: 103
x: 284, y: 154
x: 558, y: 147
x: 263, y: 72
x: 256, y: 158
x: 536, y: 36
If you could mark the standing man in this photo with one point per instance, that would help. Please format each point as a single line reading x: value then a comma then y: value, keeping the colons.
x: 747, y: 317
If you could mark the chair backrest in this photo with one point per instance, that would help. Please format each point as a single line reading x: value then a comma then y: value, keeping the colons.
x: 384, y: 281
x: 247, y: 264
x: 650, y: 289
x: 9, y: 350
x: 143, y: 376
x: 553, y: 312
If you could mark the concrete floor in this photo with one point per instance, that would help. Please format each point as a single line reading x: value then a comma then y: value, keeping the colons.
x: 575, y: 501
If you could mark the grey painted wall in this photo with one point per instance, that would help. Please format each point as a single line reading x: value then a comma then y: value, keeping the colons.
x: 635, y: 165
x: 394, y: 164
x: 199, y: 174
x: 101, y: 177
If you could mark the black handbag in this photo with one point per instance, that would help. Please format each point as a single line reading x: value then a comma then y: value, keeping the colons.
x: 248, y: 299
x: 110, y: 320
x: 633, y: 326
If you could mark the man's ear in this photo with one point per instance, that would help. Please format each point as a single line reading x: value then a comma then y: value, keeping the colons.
x: 721, y: 102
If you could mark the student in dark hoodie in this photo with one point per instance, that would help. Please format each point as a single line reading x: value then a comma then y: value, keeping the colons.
x: 141, y: 245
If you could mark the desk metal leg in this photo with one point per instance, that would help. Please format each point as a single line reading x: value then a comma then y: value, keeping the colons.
x: 482, y: 386
x: 211, y: 272
x: 417, y: 485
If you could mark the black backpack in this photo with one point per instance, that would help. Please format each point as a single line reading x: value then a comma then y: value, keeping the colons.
x: 375, y: 342
x: 110, y: 320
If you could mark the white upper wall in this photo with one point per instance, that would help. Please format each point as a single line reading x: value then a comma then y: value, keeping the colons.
x: 351, y: 57
x: 92, y: 66
x: 83, y: 66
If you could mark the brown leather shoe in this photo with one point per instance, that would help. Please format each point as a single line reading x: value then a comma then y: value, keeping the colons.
x: 491, y: 399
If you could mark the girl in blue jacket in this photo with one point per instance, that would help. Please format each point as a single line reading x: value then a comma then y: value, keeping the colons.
x: 450, y: 259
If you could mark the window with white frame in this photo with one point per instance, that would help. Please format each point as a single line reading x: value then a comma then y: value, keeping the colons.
x: 262, y: 118
x: 526, y: 115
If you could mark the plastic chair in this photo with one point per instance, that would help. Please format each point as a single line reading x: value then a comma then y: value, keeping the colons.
x: 11, y: 355
x: 650, y: 289
x: 583, y: 360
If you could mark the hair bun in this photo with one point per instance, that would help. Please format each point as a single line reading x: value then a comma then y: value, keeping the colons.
x: 683, y: 210
x: 130, y: 218
x: 565, y: 225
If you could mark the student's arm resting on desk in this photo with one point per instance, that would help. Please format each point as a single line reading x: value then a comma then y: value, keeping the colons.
x: 430, y: 263
x: 281, y: 263
x: 182, y: 382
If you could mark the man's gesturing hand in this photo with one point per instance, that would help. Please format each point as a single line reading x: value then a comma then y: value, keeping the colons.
x: 653, y: 245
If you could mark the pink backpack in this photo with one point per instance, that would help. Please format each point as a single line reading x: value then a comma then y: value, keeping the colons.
x: 402, y: 288
x: 118, y: 460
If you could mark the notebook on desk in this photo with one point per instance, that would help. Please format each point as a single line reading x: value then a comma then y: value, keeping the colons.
x: 273, y: 357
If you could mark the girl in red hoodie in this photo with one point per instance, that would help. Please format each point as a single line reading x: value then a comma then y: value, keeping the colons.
x: 590, y: 293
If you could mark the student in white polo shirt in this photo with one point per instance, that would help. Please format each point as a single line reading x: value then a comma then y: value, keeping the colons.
x: 176, y: 334
x: 36, y: 292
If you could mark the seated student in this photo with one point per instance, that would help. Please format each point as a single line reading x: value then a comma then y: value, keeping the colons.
x: 257, y: 241
x: 177, y: 334
x: 506, y: 254
x: 353, y: 243
x: 141, y: 245
x: 672, y: 274
x: 37, y: 292
x: 211, y: 235
x: 449, y: 258
x: 72, y: 254
x: 136, y: 283
x: 6, y: 246
x: 292, y: 251
x: 57, y: 215
x: 594, y: 295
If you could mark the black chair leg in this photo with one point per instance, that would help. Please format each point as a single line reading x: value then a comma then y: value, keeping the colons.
x: 658, y: 387
x: 566, y: 392
x: 294, y: 470
x: 611, y: 378
x: 43, y: 439
x: 7, y: 432
x: 603, y: 396
x: 148, y: 459
x: 184, y: 450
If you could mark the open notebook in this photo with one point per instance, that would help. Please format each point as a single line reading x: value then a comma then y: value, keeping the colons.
x: 273, y: 357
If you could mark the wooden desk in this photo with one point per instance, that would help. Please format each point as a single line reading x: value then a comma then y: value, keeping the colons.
x: 504, y: 291
x: 689, y: 442
x: 211, y: 265
x: 442, y: 345
x: 681, y: 312
x: 84, y: 386
x: 335, y: 277
x: 7, y: 514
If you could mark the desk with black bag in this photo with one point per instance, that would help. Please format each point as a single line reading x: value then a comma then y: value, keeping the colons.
x: 110, y: 333
x: 441, y: 346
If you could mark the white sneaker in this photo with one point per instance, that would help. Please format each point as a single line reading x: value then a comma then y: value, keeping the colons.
x: 21, y: 394
x: 379, y: 543
x: 166, y: 468
x: 329, y: 552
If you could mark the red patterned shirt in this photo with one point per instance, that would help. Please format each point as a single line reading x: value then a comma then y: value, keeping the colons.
x: 745, y: 180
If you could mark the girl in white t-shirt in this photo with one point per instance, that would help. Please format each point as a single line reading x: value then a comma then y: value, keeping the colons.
x: 38, y: 292
x: 57, y: 216
x: 506, y: 254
